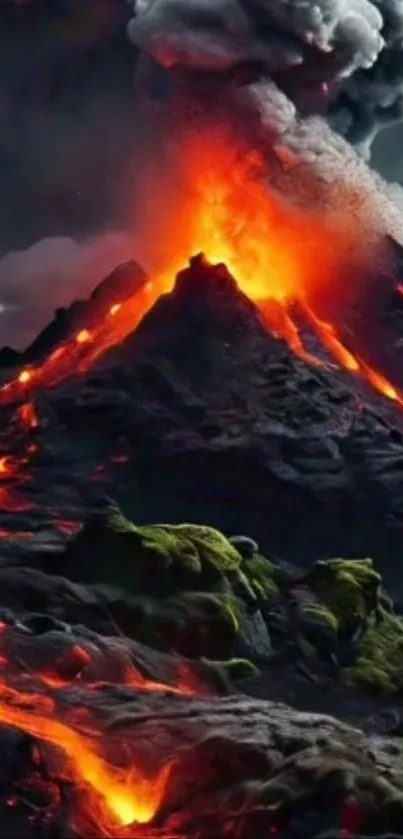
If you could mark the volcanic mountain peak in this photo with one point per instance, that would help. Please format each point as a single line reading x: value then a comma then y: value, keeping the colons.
x: 206, y: 302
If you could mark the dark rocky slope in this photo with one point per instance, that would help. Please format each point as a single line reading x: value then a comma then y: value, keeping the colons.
x: 220, y: 423
x: 173, y: 642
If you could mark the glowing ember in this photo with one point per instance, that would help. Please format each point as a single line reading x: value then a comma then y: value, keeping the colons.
x: 6, y: 466
x: 114, y: 309
x: 24, y: 377
x: 83, y: 337
x: 27, y: 415
x: 121, y: 798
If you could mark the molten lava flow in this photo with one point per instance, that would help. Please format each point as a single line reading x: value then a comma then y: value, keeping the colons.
x: 350, y: 362
x: 27, y: 415
x: 107, y: 798
x: 115, y: 798
x: 332, y: 343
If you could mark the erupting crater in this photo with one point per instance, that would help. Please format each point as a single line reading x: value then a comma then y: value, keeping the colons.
x: 296, y: 265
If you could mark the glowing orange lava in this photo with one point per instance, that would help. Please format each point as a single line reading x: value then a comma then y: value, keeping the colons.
x: 108, y: 797
x: 27, y: 415
x: 277, y: 253
x: 116, y: 798
x: 83, y: 337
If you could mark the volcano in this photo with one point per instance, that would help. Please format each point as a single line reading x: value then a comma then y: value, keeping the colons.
x: 204, y: 413
x: 137, y: 689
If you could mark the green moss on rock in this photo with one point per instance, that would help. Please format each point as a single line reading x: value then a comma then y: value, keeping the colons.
x: 150, y: 558
x: 348, y: 588
x: 379, y: 663
x: 348, y: 596
x: 261, y: 574
x: 187, y: 584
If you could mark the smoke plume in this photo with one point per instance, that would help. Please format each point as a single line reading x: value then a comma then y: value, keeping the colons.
x: 300, y: 69
x: 342, y: 58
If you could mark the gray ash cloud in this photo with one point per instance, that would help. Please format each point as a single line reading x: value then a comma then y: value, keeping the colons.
x: 341, y: 58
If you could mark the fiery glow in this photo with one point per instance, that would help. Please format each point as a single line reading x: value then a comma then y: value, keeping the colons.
x: 113, y: 791
x: 27, y: 415
x: 381, y: 384
x: 114, y: 309
x: 122, y: 797
x: 278, y: 254
x: 83, y: 337
x: 332, y: 343
x: 25, y: 376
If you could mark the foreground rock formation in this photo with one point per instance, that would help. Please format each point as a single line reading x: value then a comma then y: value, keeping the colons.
x: 208, y: 756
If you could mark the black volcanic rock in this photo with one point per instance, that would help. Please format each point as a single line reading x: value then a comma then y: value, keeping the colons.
x: 222, y: 424
x: 202, y: 415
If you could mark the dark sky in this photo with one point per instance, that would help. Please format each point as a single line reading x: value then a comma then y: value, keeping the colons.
x: 68, y: 122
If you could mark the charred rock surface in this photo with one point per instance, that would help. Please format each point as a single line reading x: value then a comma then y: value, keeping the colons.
x: 220, y: 423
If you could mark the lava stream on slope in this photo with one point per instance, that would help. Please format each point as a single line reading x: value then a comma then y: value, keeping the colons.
x: 278, y: 254
x: 40, y: 696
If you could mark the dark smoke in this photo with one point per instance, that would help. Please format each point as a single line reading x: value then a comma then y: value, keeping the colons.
x: 340, y: 58
x: 286, y: 65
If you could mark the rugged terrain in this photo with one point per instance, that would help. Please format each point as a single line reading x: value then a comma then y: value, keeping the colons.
x: 202, y: 415
x: 144, y: 661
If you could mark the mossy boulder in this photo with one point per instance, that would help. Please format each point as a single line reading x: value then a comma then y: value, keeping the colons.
x: 262, y: 576
x: 344, y: 609
x: 190, y: 590
x: 379, y: 662
x: 193, y: 624
x: 149, y: 559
